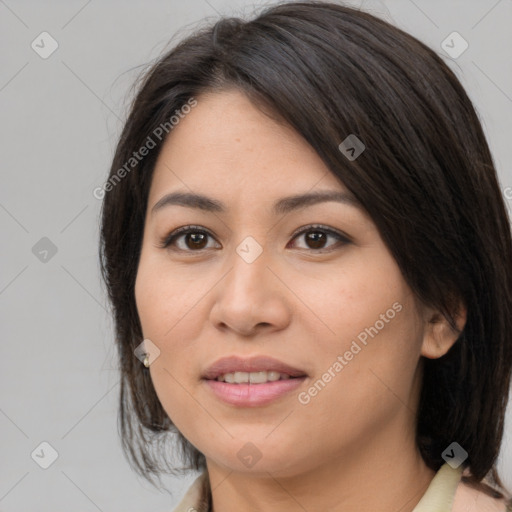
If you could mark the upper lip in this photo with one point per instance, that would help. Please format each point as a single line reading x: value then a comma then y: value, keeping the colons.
x: 250, y: 364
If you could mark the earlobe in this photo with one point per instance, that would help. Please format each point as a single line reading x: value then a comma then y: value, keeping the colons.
x: 439, y: 336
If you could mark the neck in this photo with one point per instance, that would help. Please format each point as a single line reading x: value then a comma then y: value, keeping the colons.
x: 387, y: 474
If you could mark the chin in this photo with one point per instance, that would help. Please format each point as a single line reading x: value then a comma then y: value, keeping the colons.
x: 260, y: 457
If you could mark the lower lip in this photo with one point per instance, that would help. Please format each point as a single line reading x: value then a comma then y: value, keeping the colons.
x: 253, y: 395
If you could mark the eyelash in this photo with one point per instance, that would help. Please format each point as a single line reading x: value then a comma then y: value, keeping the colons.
x: 166, y: 241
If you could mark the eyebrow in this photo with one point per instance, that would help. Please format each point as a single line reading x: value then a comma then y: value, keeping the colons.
x: 280, y: 207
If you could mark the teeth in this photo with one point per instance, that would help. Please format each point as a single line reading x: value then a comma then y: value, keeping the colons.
x: 252, y: 377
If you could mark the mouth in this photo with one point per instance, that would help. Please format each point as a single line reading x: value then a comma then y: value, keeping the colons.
x: 253, y: 370
x: 251, y: 382
x: 260, y: 377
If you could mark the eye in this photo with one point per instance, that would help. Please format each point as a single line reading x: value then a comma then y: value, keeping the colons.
x: 195, y: 238
x: 317, y: 236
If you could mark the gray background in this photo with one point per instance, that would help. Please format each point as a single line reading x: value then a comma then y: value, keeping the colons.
x: 60, y: 120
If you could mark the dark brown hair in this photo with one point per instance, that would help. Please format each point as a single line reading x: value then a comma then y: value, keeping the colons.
x: 426, y: 178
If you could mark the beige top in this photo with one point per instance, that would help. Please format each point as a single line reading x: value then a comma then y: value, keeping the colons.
x: 438, y: 497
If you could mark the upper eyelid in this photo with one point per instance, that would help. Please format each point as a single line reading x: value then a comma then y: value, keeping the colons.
x: 320, y: 227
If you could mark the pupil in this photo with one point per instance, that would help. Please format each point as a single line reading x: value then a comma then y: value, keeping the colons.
x: 197, y: 237
x: 316, y: 238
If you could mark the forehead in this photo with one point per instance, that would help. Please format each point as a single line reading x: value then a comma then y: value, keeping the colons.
x: 227, y: 144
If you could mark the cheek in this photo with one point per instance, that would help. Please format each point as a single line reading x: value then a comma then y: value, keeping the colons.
x: 356, y: 299
x: 162, y: 305
x: 169, y: 307
x: 165, y: 300
x: 372, y: 352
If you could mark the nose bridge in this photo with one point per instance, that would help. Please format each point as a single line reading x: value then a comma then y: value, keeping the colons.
x: 247, y: 296
x: 249, y: 270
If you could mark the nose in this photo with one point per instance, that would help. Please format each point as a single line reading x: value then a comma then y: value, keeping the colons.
x: 251, y: 298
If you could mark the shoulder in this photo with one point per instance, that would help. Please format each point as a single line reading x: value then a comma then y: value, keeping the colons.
x: 468, y: 499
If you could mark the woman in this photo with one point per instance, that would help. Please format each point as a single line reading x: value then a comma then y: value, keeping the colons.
x: 309, y: 260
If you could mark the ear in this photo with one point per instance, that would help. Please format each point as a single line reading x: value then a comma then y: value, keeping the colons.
x: 438, y: 335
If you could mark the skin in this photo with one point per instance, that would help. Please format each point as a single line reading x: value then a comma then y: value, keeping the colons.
x: 305, y: 307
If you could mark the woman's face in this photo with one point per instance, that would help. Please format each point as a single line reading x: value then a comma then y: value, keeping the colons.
x: 261, y: 274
